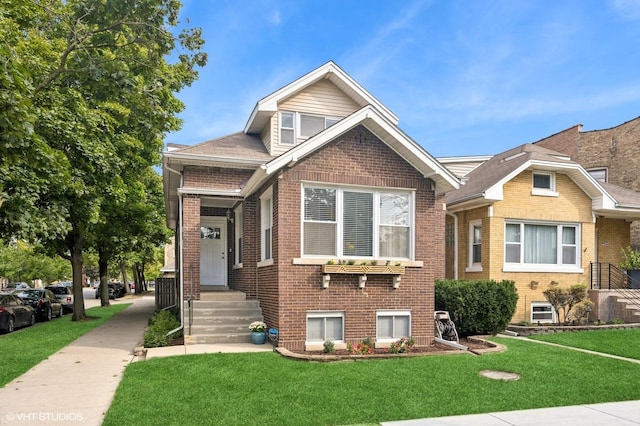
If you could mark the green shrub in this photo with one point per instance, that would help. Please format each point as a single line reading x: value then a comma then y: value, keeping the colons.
x: 477, y: 307
x: 160, y: 324
x: 329, y: 347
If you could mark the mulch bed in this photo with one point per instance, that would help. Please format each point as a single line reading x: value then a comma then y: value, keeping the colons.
x: 475, y: 345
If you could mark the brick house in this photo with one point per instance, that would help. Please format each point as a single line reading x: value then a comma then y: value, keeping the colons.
x: 609, y: 155
x: 537, y: 217
x: 320, y: 175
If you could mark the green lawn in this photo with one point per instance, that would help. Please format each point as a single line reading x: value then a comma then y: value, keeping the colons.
x: 23, y: 349
x: 625, y: 343
x: 265, y: 388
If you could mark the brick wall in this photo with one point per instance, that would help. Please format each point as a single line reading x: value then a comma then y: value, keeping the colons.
x: 288, y: 291
x: 572, y: 205
x: 191, y: 246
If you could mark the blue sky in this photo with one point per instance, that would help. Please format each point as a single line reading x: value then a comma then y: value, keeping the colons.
x: 464, y: 77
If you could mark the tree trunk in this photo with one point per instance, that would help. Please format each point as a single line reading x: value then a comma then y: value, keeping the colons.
x: 74, y: 244
x: 103, y: 268
x: 136, y: 278
x: 125, y: 279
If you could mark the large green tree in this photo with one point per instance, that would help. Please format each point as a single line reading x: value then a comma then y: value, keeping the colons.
x: 98, y: 94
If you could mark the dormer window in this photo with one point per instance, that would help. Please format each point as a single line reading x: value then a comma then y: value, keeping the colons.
x: 294, y: 125
x: 287, y: 128
x: 544, y: 183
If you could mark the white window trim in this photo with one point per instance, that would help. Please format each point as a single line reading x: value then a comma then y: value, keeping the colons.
x: 543, y: 267
x: 545, y: 304
x: 266, y: 197
x: 312, y: 344
x: 376, y: 219
x: 599, y: 169
x: 551, y: 192
x: 388, y: 313
x: 280, y: 127
x: 297, y: 126
x: 474, y: 266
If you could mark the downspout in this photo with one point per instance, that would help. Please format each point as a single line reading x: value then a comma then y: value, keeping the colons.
x: 455, y: 244
x: 180, y: 227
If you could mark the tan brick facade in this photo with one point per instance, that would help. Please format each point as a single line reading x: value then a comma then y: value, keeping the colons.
x: 571, y: 205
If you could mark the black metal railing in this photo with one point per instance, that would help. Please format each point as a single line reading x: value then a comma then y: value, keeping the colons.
x: 605, y: 276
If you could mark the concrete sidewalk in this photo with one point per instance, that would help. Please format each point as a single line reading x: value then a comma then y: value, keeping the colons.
x: 76, y: 384
x: 609, y: 414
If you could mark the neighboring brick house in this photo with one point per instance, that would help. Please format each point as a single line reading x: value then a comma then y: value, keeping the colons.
x: 320, y: 174
x: 534, y: 216
x: 610, y: 155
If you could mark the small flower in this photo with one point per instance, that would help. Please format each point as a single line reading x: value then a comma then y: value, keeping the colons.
x: 258, y: 326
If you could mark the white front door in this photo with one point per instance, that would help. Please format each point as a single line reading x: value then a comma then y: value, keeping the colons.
x: 213, y: 249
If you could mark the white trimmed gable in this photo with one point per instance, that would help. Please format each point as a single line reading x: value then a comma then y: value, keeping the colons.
x: 325, y: 93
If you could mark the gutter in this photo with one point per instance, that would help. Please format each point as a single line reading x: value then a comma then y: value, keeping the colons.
x: 181, y: 263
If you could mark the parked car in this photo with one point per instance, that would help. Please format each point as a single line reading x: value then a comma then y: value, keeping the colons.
x: 11, y: 287
x: 44, y: 302
x: 15, y: 313
x: 64, y: 295
x: 112, y: 291
x: 120, y: 290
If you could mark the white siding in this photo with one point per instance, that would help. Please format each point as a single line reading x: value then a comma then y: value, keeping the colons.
x: 322, y: 98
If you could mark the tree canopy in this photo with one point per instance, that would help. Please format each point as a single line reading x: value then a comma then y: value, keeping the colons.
x: 87, y: 93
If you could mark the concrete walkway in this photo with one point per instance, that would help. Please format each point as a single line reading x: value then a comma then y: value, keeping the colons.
x: 76, y: 384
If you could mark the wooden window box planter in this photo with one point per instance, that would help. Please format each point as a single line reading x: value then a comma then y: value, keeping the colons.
x: 363, y: 269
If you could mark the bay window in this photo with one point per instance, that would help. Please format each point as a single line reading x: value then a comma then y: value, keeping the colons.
x: 542, y: 245
x: 357, y: 223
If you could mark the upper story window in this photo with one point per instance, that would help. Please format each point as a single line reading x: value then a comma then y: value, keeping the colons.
x: 542, y: 247
x: 357, y: 223
x: 294, y: 125
x: 544, y: 183
x: 599, y: 174
x: 287, y: 128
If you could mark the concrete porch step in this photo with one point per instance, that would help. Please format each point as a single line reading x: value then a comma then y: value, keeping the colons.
x: 228, y: 304
x: 222, y: 295
x: 212, y: 338
x: 221, y: 317
x: 220, y: 321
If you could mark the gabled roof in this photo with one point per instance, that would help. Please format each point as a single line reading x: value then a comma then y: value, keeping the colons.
x: 379, y: 124
x: 268, y: 105
x: 486, y: 182
x: 238, y: 151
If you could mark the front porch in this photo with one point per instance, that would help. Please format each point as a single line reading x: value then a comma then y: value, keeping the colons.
x: 615, y: 294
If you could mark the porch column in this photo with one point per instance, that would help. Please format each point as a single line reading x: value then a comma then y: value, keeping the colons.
x: 191, y: 250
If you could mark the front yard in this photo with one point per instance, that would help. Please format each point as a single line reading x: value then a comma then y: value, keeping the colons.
x: 265, y: 388
x: 624, y: 343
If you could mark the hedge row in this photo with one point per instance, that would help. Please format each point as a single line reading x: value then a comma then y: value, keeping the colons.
x: 477, y: 307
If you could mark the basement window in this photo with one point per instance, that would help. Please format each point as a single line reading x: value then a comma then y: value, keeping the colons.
x: 542, y: 312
